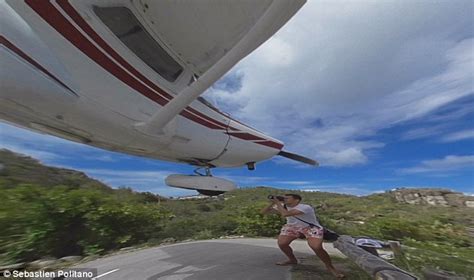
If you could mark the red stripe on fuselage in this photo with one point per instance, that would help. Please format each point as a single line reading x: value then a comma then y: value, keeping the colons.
x: 4, y: 41
x: 51, y: 15
x: 64, y: 4
x: 69, y: 9
x: 245, y: 136
x: 271, y: 144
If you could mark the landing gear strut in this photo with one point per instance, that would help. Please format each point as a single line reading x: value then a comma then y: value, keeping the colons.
x: 251, y: 165
x: 207, y: 170
x: 208, y: 174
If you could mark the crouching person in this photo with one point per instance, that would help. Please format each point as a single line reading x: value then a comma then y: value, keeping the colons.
x: 300, y: 221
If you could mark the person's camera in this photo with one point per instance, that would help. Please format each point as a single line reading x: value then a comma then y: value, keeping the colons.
x: 280, y: 198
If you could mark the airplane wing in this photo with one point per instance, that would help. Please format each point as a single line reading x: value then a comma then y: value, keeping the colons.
x: 210, y: 37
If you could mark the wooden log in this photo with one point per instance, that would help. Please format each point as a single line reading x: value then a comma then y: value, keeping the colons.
x: 432, y: 274
x: 370, y: 263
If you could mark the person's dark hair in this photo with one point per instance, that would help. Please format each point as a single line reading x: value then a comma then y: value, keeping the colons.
x: 295, y: 196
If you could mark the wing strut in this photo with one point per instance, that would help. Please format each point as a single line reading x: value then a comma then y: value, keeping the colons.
x: 277, y: 14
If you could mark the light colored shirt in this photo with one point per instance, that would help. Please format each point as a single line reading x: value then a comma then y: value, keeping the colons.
x: 308, y: 215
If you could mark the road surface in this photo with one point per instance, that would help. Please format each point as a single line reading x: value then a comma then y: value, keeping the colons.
x: 230, y: 259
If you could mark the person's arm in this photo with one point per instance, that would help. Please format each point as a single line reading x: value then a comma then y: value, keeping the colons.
x: 284, y: 212
x: 269, y: 209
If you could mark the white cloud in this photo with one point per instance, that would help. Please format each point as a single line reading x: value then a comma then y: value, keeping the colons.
x: 425, y: 131
x: 278, y: 48
x: 104, y: 158
x: 295, y: 183
x: 46, y: 148
x: 42, y: 156
x: 355, y: 69
x: 133, y: 178
x: 50, y: 149
x: 440, y: 166
x: 114, y: 174
x: 454, y: 113
x: 457, y: 136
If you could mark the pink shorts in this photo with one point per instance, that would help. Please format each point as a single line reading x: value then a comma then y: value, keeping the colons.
x: 297, y: 231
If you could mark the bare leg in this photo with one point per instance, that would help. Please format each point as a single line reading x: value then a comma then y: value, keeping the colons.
x: 284, y: 244
x: 317, y: 245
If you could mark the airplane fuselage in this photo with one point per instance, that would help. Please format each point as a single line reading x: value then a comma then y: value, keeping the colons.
x: 64, y: 73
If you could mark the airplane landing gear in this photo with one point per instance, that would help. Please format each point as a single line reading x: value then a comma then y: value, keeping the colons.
x: 206, y: 169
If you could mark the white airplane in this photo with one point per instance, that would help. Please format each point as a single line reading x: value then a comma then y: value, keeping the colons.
x: 127, y: 75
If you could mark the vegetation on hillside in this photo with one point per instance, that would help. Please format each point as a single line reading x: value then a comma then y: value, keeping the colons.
x: 56, y: 212
x: 48, y: 211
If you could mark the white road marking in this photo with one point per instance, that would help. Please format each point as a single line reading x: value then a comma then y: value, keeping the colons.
x: 175, y: 277
x: 103, y: 274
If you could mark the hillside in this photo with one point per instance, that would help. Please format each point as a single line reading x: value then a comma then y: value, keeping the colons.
x: 56, y: 212
x: 18, y: 169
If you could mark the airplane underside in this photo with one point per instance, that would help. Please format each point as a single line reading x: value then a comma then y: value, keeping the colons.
x: 74, y: 69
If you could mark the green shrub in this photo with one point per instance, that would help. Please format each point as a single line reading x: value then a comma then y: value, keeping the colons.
x: 58, y: 221
x: 252, y: 223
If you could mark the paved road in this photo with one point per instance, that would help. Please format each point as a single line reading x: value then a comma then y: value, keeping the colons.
x: 230, y: 259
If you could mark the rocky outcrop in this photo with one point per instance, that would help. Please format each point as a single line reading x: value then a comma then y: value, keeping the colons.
x: 434, y: 197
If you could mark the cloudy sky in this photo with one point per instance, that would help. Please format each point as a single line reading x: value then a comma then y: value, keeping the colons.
x: 381, y: 93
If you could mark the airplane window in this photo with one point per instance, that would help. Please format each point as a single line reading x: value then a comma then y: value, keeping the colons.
x: 128, y: 29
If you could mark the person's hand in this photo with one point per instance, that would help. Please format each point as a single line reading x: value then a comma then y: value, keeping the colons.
x: 276, y: 201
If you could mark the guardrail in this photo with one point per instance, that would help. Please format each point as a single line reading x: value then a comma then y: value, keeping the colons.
x: 373, y: 265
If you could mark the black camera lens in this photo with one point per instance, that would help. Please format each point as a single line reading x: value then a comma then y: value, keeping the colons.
x: 280, y: 198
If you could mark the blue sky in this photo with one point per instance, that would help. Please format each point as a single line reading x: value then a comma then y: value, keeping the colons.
x: 381, y: 93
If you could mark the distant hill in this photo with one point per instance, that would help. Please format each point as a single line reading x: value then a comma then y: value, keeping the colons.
x: 19, y: 169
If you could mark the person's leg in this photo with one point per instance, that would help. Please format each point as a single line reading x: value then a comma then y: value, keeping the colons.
x: 284, y: 244
x: 317, y: 245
